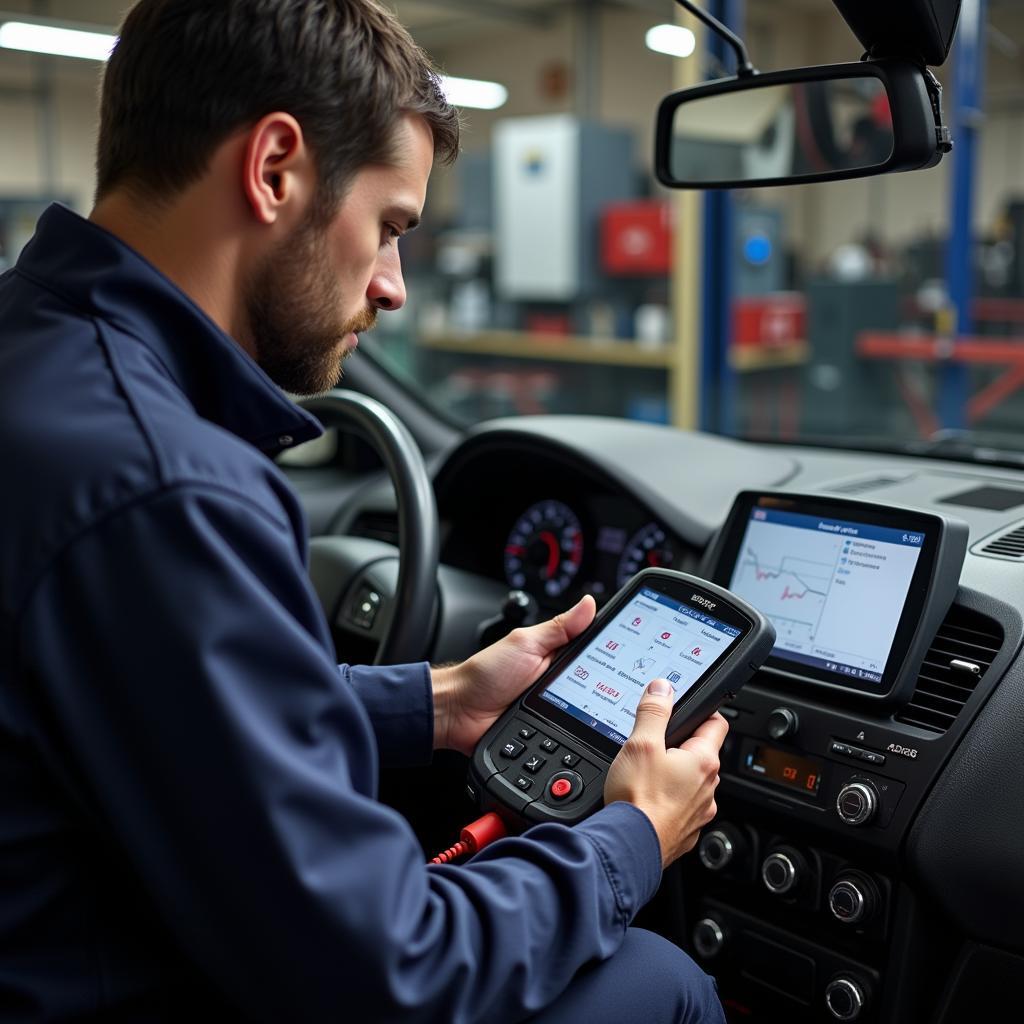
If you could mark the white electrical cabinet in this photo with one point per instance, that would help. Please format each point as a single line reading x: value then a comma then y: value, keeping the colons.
x: 552, y: 177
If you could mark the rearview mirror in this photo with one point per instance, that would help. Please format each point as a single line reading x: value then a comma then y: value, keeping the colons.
x: 800, y: 125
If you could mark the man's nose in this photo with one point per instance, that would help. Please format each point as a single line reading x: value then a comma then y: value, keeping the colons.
x: 387, y: 288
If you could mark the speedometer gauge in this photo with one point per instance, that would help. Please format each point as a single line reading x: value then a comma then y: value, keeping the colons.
x: 544, y: 550
x: 646, y: 549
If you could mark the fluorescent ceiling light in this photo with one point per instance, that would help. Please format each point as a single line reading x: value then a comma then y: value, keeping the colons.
x: 675, y: 40
x: 67, y: 42
x: 468, y: 92
x: 61, y: 42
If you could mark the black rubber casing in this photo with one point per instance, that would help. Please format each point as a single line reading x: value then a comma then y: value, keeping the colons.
x: 492, y: 776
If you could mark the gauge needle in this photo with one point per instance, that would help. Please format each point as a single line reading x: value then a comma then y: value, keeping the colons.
x: 553, y: 553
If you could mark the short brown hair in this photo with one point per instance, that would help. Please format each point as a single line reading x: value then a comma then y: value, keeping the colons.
x: 186, y: 74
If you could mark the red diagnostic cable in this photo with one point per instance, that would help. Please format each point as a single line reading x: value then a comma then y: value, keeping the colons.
x: 474, y: 838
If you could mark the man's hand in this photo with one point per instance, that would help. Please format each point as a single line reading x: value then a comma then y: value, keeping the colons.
x: 675, y: 788
x: 468, y: 698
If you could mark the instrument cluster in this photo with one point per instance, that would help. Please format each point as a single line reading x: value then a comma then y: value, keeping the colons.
x: 553, y: 551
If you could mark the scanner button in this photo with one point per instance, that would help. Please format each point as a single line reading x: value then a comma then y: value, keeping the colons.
x: 564, y: 787
x: 512, y: 749
x: 534, y: 764
x: 561, y: 788
x: 549, y: 746
x: 570, y: 760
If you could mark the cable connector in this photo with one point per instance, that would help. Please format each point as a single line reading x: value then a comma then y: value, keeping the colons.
x: 474, y: 838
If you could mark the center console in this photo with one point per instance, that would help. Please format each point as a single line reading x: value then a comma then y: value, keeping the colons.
x: 793, y: 898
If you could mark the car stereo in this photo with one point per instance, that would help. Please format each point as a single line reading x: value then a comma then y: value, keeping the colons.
x: 855, y: 590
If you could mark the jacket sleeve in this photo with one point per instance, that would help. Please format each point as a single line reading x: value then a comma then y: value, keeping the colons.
x: 184, y: 669
x: 400, y: 702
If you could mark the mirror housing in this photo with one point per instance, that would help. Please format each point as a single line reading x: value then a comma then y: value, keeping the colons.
x: 920, y: 30
x: 918, y: 137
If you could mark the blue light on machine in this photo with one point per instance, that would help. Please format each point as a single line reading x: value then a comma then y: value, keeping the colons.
x: 757, y: 250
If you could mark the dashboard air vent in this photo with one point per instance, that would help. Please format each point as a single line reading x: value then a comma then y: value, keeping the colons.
x: 1006, y: 545
x: 376, y: 526
x: 865, y: 484
x: 961, y: 653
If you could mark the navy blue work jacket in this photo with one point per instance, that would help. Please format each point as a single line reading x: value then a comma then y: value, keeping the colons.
x: 188, y: 822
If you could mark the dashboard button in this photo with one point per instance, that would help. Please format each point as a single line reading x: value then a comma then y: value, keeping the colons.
x: 871, y: 757
x: 842, y: 749
x: 782, y: 722
x: 526, y: 733
x: 570, y: 760
x: 548, y: 745
x: 512, y: 749
x: 534, y: 764
x: 523, y: 783
x: 857, y: 803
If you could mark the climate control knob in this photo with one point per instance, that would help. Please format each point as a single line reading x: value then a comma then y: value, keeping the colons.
x: 782, y: 722
x: 708, y: 937
x: 720, y: 847
x: 783, y: 870
x: 845, y: 998
x: 857, y: 803
x: 853, y: 898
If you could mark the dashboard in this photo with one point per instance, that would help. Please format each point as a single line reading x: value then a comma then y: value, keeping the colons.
x: 865, y: 862
x: 538, y: 523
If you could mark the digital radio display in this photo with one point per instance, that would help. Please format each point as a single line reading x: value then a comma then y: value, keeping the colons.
x: 780, y: 766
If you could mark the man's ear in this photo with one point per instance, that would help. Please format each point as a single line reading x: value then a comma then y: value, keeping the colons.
x: 277, y: 168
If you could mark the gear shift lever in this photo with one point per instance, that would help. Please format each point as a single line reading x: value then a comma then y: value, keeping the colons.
x: 518, y: 609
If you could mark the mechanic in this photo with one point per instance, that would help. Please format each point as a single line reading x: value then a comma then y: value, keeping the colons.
x: 188, y: 822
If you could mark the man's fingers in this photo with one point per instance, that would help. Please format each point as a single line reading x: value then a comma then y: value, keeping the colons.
x: 654, y: 711
x: 557, y: 632
x: 577, y: 618
x: 709, y: 734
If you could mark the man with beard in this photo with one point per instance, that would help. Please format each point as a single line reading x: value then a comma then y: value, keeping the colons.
x: 188, y: 822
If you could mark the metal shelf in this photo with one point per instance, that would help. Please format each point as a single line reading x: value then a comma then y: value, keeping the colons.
x: 553, y: 347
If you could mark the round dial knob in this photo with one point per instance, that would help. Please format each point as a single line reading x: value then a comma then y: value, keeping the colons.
x: 719, y: 847
x: 845, y: 998
x: 857, y: 803
x: 853, y: 899
x: 782, y: 871
x: 782, y: 722
x: 708, y: 937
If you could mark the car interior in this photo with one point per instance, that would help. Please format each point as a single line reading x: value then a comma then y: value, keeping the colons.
x: 867, y: 860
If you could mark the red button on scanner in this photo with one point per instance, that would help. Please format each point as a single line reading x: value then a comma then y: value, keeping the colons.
x: 561, y: 788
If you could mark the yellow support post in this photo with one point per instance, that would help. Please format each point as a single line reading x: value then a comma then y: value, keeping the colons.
x: 684, y: 358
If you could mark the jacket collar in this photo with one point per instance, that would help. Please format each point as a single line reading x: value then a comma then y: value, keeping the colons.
x: 105, y: 278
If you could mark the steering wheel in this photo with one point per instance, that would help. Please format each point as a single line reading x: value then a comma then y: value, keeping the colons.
x: 368, y: 588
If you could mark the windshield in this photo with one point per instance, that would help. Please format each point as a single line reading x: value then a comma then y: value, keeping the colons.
x: 552, y: 274
x: 555, y: 275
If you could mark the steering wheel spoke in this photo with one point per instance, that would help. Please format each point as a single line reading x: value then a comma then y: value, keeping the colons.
x: 368, y: 588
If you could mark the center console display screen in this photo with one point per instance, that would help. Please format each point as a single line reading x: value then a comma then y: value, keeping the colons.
x: 856, y: 590
x: 834, y: 589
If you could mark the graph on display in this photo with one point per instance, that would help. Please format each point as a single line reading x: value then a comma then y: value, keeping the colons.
x: 790, y: 588
x: 814, y: 577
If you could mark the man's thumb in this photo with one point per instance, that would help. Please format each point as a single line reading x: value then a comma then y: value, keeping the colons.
x: 654, y: 710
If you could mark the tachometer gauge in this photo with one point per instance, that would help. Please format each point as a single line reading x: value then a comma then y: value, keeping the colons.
x: 544, y: 550
x: 646, y: 549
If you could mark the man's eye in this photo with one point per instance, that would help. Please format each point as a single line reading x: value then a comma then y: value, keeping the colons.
x: 391, y: 233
